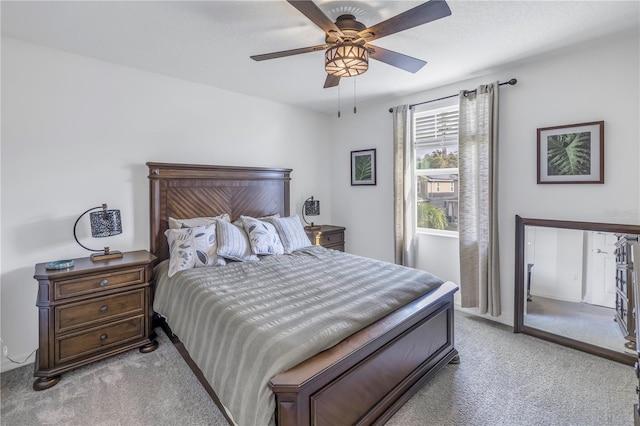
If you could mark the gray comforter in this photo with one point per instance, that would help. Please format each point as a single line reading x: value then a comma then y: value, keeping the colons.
x: 244, y: 323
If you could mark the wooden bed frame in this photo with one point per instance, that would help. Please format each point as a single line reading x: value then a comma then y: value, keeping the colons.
x: 365, y: 378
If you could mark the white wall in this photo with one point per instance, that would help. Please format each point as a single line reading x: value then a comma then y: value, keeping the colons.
x: 598, y: 80
x: 366, y: 211
x: 76, y: 132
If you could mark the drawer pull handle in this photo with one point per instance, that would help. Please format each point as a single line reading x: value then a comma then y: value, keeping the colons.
x: 104, y: 309
x: 103, y: 337
x: 104, y: 282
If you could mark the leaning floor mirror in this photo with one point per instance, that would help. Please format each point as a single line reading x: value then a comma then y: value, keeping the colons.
x: 573, y: 285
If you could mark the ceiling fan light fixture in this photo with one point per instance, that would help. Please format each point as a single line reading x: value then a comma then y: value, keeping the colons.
x: 346, y: 60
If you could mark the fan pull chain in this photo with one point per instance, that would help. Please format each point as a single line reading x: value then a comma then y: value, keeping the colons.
x: 354, y: 95
x: 338, y: 101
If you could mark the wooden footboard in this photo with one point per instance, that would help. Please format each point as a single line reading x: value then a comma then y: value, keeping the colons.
x: 367, y: 377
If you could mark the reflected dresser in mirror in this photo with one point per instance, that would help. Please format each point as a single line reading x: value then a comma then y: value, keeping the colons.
x: 635, y: 279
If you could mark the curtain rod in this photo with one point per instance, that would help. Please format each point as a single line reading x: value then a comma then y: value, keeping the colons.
x: 511, y: 82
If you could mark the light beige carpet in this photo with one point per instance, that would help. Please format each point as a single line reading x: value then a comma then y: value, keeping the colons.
x: 504, y: 379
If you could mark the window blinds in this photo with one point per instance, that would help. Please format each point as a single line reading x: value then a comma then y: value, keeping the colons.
x: 436, y: 127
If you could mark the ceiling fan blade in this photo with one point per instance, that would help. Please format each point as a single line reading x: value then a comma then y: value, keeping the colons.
x: 291, y: 52
x: 331, y: 81
x: 426, y: 12
x: 396, y: 59
x: 317, y: 16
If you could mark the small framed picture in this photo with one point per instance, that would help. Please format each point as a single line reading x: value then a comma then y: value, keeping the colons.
x: 363, y: 167
x: 571, y: 154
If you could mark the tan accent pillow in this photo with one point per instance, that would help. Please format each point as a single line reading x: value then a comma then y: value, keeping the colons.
x: 195, y: 221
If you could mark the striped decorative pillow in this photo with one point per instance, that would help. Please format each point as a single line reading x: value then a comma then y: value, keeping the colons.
x: 233, y: 242
x: 291, y: 232
x: 263, y: 237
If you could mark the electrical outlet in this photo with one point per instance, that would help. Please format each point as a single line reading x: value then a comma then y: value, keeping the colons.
x: 5, y: 349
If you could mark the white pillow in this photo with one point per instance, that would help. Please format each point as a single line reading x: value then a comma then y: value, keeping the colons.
x: 192, y: 247
x: 233, y: 242
x: 291, y: 232
x: 263, y: 237
x: 195, y: 221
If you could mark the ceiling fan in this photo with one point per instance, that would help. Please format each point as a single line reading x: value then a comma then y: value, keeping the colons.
x: 347, y: 48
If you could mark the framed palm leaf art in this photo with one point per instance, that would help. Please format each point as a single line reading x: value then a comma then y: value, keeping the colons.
x: 363, y: 167
x: 571, y: 154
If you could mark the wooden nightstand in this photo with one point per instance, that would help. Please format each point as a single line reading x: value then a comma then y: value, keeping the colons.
x: 91, y: 311
x: 328, y: 236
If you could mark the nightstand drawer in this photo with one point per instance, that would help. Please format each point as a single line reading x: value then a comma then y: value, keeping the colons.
x: 99, y: 339
x: 331, y: 239
x: 91, y: 283
x: 339, y: 247
x: 69, y: 317
x: 328, y: 236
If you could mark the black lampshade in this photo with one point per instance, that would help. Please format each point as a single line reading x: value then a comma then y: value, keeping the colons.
x: 312, y: 207
x: 105, y: 223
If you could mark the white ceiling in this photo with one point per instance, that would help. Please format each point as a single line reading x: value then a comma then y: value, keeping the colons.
x: 209, y: 42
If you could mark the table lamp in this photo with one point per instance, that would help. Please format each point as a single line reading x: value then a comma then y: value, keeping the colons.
x: 104, y: 223
x: 311, y: 207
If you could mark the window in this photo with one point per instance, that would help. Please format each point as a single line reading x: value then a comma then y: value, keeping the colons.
x: 435, y: 140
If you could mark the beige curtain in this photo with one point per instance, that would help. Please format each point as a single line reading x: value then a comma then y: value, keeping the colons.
x: 404, y: 187
x: 478, y: 192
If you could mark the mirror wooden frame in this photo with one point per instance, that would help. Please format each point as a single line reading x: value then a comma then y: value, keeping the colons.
x: 519, y: 294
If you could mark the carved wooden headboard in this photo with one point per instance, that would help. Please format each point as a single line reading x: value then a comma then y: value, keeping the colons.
x: 192, y: 190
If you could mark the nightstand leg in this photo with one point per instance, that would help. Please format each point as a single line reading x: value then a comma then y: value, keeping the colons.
x: 150, y: 347
x: 43, y: 383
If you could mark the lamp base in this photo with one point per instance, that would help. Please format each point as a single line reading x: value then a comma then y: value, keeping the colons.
x: 98, y: 257
x: 312, y: 228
